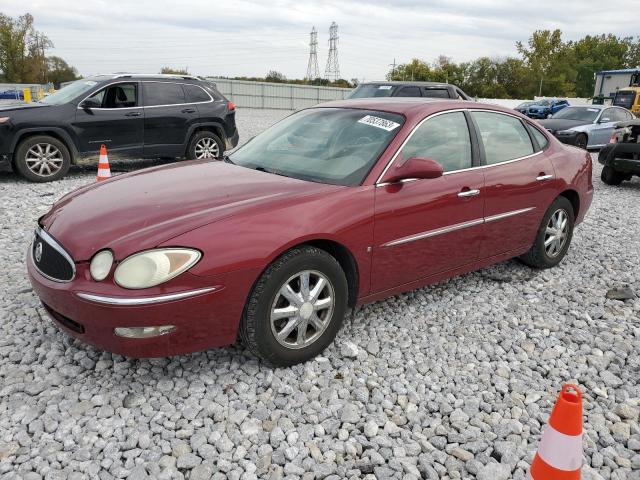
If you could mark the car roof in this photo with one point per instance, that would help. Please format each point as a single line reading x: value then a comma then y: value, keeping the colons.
x: 143, y: 76
x: 410, y: 106
x: 419, y: 84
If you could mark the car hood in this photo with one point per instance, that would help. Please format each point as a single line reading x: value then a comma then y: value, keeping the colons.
x: 556, y: 124
x: 140, y: 210
x: 20, y: 106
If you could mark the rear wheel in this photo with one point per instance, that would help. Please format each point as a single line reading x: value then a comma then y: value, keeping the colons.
x: 296, y: 308
x: 205, y: 145
x: 610, y: 176
x: 581, y: 141
x: 42, y: 158
x: 553, y: 237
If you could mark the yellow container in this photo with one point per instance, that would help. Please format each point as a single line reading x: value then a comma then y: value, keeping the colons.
x: 27, y: 94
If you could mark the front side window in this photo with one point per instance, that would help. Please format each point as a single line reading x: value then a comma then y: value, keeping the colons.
x: 163, y: 93
x: 338, y: 146
x: 120, y: 95
x: 504, y: 137
x: 408, y: 92
x: 443, y: 138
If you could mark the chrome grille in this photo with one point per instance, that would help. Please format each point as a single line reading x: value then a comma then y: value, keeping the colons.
x: 51, y: 259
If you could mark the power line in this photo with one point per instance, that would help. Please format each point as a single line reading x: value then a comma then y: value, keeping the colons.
x: 333, y: 68
x: 312, y: 67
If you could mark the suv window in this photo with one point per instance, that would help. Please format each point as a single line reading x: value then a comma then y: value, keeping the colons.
x: 408, y: 92
x: 120, y: 95
x: 196, y: 94
x: 435, y: 92
x: 163, y: 93
x: 443, y: 138
x: 504, y: 137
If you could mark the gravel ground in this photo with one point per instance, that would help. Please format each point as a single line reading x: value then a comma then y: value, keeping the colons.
x: 451, y: 381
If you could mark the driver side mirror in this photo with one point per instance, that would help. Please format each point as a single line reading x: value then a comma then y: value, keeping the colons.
x: 415, y: 167
x: 90, y: 103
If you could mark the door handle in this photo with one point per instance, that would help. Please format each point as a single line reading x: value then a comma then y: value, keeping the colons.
x: 469, y: 193
x: 132, y: 114
x: 543, y: 177
x: 189, y: 110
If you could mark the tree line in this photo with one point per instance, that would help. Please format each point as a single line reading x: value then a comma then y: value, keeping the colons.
x: 546, y: 65
x: 23, y: 56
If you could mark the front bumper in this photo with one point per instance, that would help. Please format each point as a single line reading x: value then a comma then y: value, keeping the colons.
x: 538, y: 115
x: 568, y: 139
x: 208, y: 318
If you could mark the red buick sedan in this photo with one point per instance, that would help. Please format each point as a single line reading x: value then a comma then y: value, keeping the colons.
x: 335, y: 206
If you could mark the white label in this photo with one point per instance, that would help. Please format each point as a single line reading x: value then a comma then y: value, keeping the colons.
x: 385, y: 87
x: 91, y: 83
x: 382, y: 123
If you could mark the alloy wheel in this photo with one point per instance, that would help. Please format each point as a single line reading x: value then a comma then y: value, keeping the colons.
x: 302, y: 309
x: 207, y: 148
x: 44, y: 159
x: 557, y: 232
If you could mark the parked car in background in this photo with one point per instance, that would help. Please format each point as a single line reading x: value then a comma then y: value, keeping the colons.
x: 408, y: 89
x: 620, y: 159
x: 335, y: 206
x: 135, y: 116
x: 545, y: 108
x: 522, y: 108
x: 586, y: 127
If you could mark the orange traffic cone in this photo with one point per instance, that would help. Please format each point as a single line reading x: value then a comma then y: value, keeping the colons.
x: 559, y: 455
x: 104, y: 171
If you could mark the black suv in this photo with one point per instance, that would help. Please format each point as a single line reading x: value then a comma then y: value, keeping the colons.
x: 135, y: 116
x: 409, y: 89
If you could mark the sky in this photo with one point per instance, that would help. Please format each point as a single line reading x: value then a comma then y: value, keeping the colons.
x: 251, y: 37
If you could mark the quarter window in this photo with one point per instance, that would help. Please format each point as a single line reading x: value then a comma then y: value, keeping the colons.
x: 540, y: 138
x: 162, y: 93
x: 443, y: 138
x: 504, y: 137
x: 196, y: 94
x: 435, y: 92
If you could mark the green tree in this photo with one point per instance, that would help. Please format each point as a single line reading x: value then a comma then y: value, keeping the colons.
x: 59, y: 71
x: 174, y: 71
x: 22, y: 50
x: 276, y: 77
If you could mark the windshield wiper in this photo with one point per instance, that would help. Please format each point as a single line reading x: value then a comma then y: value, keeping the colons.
x: 226, y: 159
x: 274, y: 172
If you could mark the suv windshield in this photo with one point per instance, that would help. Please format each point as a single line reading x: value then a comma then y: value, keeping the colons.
x: 372, y: 90
x: 328, y: 145
x: 582, y: 114
x: 69, y: 92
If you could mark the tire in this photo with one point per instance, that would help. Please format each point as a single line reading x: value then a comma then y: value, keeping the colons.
x: 258, y: 331
x: 205, y: 145
x: 538, y: 255
x: 610, y: 176
x: 581, y: 141
x: 42, y: 158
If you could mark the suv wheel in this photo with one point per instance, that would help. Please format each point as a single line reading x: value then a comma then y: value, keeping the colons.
x: 610, y: 176
x: 42, y: 158
x: 205, y: 145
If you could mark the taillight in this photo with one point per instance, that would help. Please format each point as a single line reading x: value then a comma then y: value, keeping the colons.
x: 231, y: 106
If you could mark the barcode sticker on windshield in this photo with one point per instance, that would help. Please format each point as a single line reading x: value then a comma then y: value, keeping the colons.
x: 385, y: 87
x: 385, y: 124
x: 91, y: 83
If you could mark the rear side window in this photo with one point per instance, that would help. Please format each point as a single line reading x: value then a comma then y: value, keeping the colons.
x: 435, y: 92
x: 408, y: 92
x: 540, y: 138
x: 196, y: 94
x: 443, y: 138
x: 504, y: 137
x: 159, y: 93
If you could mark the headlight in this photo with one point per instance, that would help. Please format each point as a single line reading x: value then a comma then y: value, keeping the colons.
x: 565, y: 132
x: 101, y: 265
x: 153, y: 267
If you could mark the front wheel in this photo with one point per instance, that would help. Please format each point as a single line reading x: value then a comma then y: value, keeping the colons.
x: 553, y: 237
x: 296, y: 308
x: 205, y: 145
x: 581, y: 141
x: 610, y: 176
x: 42, y: 158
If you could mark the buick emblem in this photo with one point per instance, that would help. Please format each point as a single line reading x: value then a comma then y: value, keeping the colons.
x: 38, y: 252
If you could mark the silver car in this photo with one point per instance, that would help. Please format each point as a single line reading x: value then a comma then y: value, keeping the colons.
x: 589, y: 126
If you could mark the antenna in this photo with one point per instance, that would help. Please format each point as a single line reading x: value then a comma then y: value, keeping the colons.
x: 332, y: 72
x: 312, y: 67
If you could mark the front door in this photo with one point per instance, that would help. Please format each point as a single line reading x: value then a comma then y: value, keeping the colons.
x: 603, y: 129
x: 519, y: 183
x: 118, y: 122
x: 427, y: 226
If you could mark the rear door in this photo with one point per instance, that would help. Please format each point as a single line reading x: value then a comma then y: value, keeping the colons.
x: 168, y: 118
x: 518, y: 183
x: 118, y: 122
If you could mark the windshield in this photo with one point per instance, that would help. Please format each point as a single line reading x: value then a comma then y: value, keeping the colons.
x: 624, y: 99
x: 525, y: 104
x: 68, y: 93
x: 368, y: 91
x: 582, y: 114
x: 543, y: 103
x: 327, y: 145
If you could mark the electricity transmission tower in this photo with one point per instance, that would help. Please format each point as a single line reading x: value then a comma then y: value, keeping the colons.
x: 332, y: 72
x: 312, y: 67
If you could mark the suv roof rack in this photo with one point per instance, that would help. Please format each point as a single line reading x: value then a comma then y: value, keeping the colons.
x: 151, y: 75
